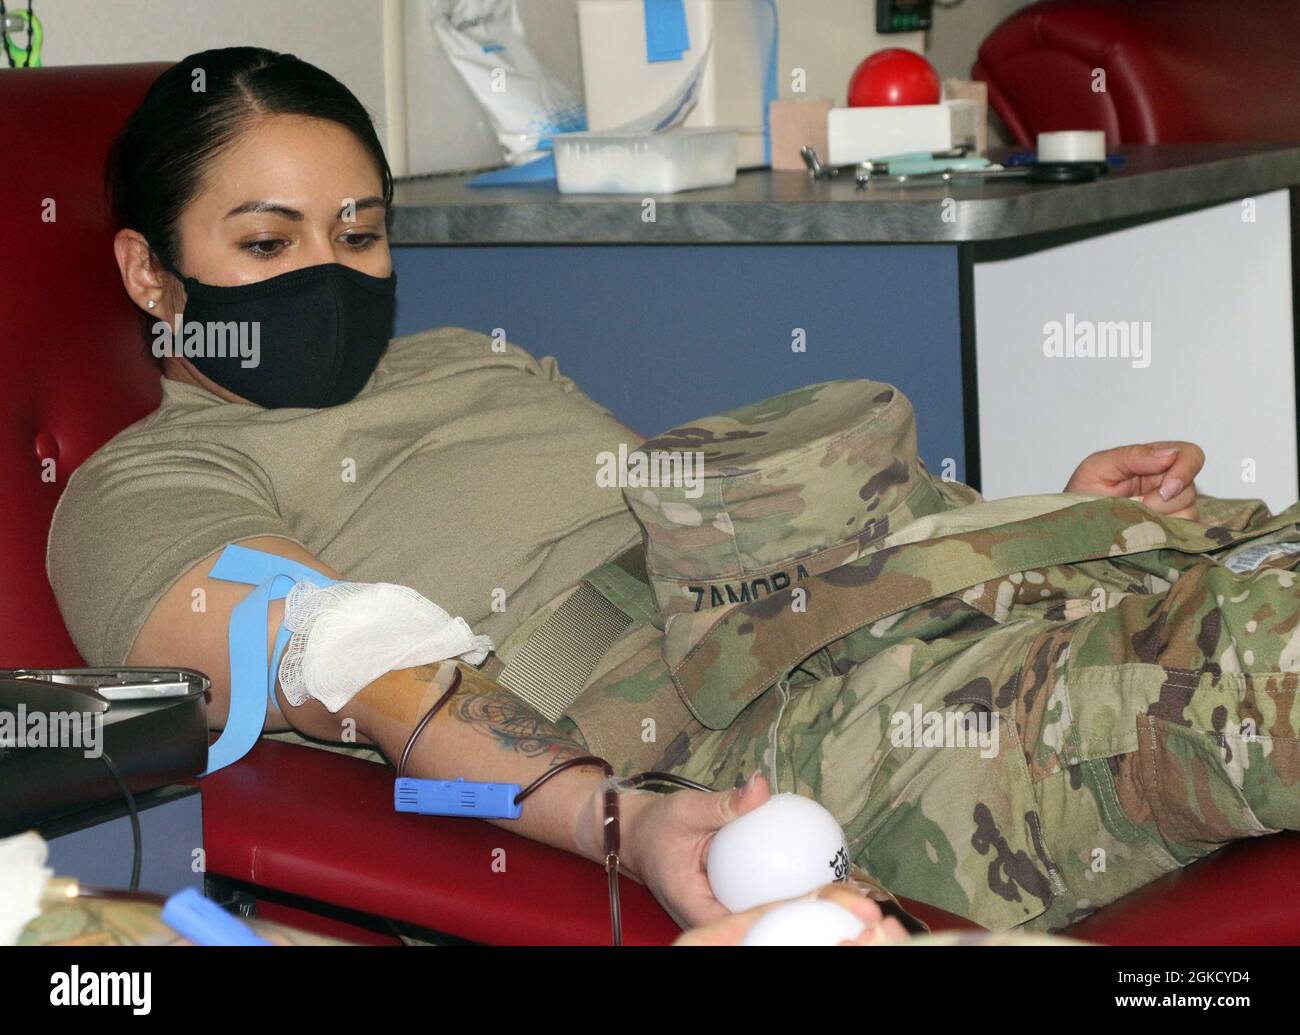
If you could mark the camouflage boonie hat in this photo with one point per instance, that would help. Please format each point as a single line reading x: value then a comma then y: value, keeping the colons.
x: 770, y: 493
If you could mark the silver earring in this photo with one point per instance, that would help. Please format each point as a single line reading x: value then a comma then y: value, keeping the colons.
x: 151, y: 304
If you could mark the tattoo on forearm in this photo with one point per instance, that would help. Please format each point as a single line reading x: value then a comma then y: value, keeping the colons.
x: 514, y: 725
x: 497, y: 713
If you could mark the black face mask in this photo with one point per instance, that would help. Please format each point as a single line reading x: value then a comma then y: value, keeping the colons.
x: 319, y: 333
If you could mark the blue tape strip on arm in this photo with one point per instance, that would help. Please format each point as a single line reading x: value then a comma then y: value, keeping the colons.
x: 254, y: 567
x: 252, y: 679
x: 666, y: 34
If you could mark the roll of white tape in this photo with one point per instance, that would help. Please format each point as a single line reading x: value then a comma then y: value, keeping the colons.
x: 1075, y: 145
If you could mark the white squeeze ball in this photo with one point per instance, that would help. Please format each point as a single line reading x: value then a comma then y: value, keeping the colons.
x: 785, y: 848
x: 811, y: 922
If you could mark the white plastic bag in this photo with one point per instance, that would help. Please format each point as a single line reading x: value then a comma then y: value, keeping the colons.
x: 484, y: 39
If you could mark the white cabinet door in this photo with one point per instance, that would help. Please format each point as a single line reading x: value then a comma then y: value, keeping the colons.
x: 1180, y: 328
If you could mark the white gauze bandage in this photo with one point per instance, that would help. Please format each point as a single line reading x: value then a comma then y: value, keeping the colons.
x: 349, y: 634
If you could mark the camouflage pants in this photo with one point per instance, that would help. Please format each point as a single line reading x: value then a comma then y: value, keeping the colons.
x: 1143, y: 716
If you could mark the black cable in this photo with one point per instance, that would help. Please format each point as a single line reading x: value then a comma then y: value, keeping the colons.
x: 4, y: 33
x: 134, y: 813
x: 653, y: 776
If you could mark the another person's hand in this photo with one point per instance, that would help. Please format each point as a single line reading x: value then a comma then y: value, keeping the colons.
x: 1161, y: 474
x: 730, y: 929
x: 666, y: 844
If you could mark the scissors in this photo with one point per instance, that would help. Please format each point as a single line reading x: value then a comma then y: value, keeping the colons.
x: 923, y: 169
x: 913, y: 163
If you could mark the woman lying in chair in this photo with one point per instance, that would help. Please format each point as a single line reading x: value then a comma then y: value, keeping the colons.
x: 1019, y: 710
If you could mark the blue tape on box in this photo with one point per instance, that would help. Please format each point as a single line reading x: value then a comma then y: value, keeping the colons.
x: 666, y: 34
x: 539, y: 170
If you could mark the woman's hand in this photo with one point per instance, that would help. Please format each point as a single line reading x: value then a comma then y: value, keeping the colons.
x: 1160, y: 473
x: 730, y: 929
x: 666, y: 844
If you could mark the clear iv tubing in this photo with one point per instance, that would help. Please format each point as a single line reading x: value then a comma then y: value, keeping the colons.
x: 610, y: 827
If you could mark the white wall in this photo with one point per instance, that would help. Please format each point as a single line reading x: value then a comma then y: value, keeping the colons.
x: 958, y: 31
x: 345, y: 37
x: 423, y: 110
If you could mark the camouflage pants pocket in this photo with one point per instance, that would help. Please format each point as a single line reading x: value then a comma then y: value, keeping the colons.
x: 1212, y: 670
x: 1100, y: 849
x: 1080, y: 740
x: 1165, y: 727
x: 1193, y: 781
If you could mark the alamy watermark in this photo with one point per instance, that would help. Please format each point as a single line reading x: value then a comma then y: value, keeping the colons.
x: 652, y: 469
x: 214, y: 339
x: 952, y: 729
x: 75, y: 987
x: 1093, y: 339
x: 37, y: 729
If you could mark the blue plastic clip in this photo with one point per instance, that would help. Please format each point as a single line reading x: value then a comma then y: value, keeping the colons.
x: 458, y: 797
x: 204, y: 922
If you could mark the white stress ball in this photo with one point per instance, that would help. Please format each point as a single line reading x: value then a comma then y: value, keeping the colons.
x: 785, y: 848
x: 811, y: 922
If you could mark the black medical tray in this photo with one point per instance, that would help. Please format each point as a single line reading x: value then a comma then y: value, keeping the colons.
x: 153, y: 742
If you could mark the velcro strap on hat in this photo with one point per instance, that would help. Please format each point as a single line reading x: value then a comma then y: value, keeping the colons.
x: 554, y: 664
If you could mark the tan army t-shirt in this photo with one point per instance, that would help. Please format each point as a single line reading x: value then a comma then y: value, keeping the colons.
x: 465, y: 473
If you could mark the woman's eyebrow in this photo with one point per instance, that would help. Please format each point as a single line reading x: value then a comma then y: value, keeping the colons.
x: 374, y: 201
x: 266, y: 206
x: 292, y: 213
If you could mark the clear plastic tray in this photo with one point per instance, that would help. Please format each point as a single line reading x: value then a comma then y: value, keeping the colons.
x: 644, y: 163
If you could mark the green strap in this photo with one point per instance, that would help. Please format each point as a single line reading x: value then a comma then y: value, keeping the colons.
x: 623, y: 582
x: 555, y: 662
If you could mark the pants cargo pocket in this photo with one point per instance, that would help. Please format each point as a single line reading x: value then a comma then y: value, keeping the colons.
x: 1193, y: 782
x: 1080, y: 744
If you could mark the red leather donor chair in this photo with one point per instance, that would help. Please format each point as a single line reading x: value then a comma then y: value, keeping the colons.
x: 310, y: 835
x: 300, y: 824
x: 1177, y: 71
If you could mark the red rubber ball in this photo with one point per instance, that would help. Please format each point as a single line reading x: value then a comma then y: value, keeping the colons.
x: 894, y: 76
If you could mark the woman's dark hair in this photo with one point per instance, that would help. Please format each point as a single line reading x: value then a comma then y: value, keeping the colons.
x: 196, y: 109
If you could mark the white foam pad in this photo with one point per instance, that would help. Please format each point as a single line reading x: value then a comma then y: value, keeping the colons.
x: 347, y: 635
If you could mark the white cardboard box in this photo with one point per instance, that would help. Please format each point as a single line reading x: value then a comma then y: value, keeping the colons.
x: 860, y: 134
x: 821, y: 42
